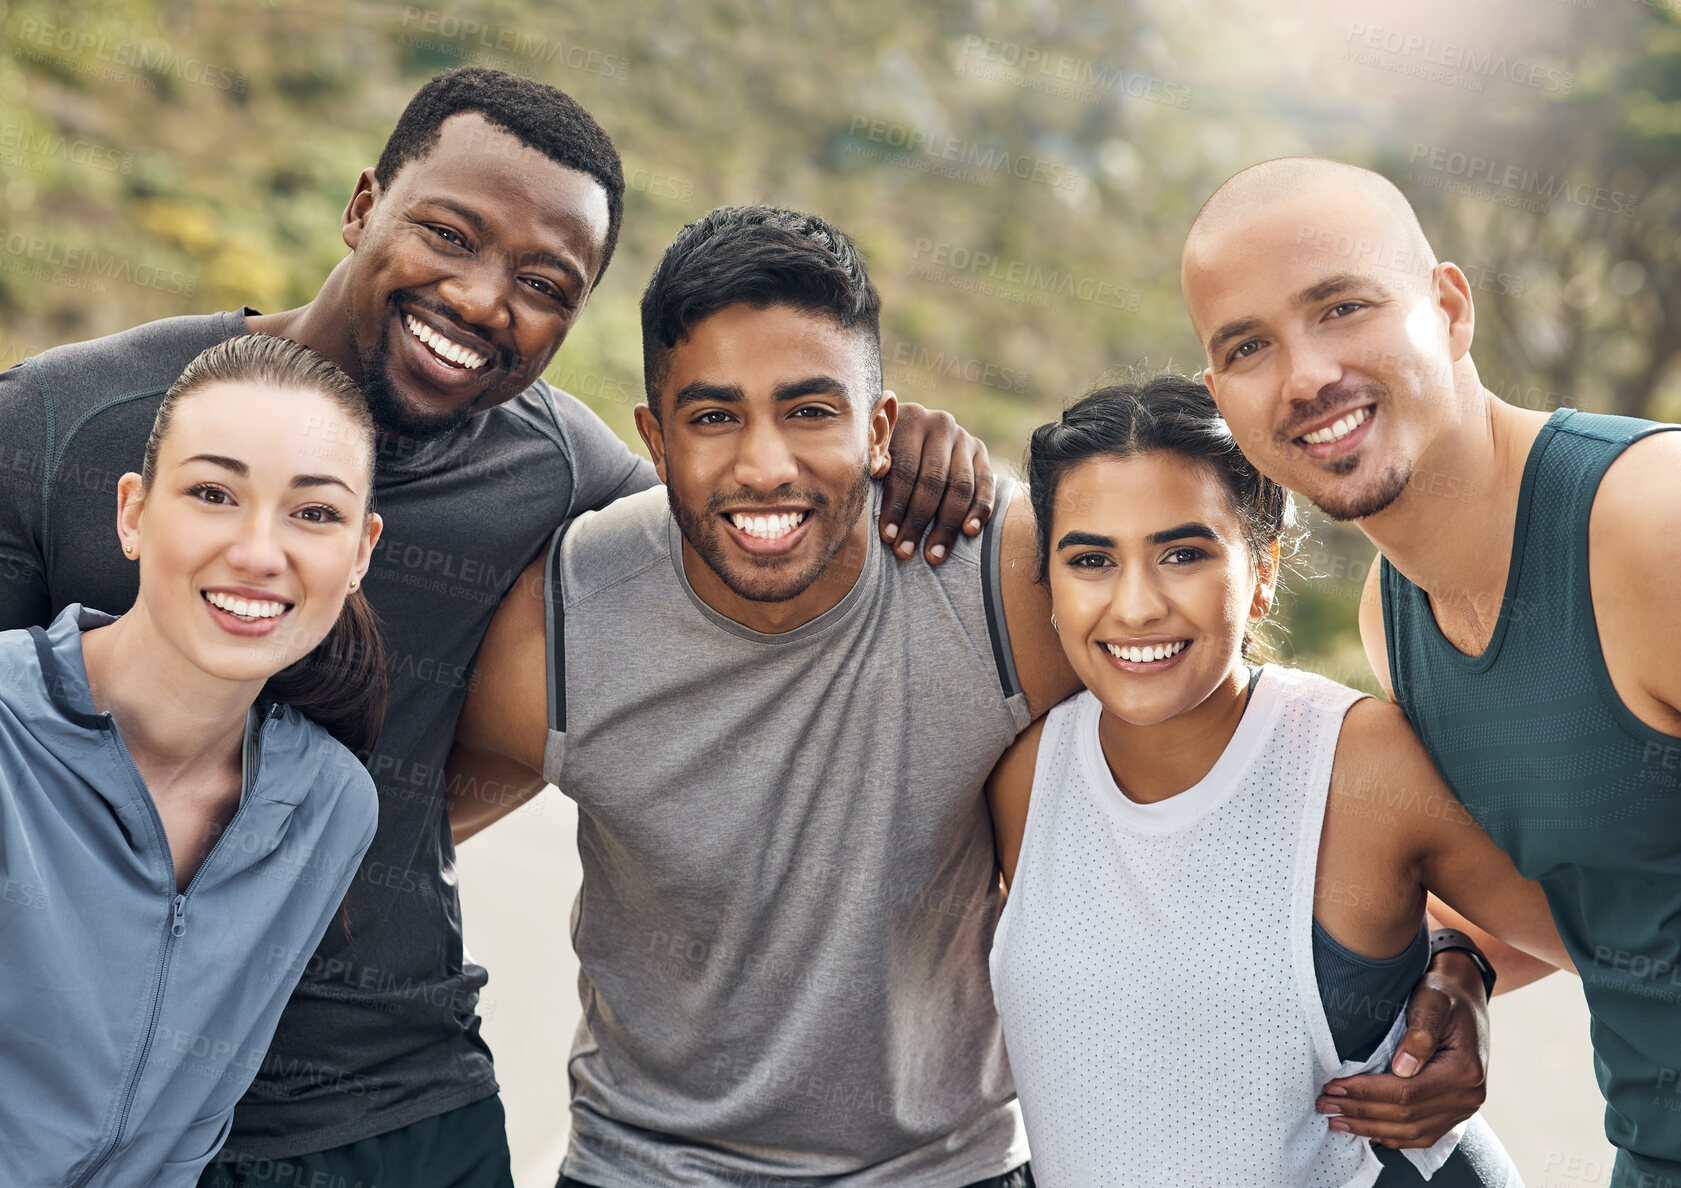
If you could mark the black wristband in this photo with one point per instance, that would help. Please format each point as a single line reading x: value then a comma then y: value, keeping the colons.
x: 1444, y: 939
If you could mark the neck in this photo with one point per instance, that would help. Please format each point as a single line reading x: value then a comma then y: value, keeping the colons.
x: 1450, y: 532
x: 175, y: 717
x: 322, y: 325
x: 1155, y: 762
x: 773, y: 618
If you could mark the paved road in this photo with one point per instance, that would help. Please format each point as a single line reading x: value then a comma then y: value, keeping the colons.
x: 517, y: 884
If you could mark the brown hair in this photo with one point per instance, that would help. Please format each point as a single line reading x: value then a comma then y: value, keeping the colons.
x: 342, y: 682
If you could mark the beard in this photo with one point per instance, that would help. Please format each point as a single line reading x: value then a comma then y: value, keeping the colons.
x: 387, y: 407
x: 770, y: 579
x: 1345, y: 505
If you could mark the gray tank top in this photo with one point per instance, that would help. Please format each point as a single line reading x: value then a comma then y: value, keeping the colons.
x: 789, y: 885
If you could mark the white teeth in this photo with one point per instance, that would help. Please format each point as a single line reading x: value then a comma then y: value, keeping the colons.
x: 444, y: 348
x: 1143, y: 655
x: 767, y: 527
x: 1338, y: 431
x: 251, y: 609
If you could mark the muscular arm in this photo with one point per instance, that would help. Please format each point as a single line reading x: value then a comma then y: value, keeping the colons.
x: 1634, y: 559
x: 24, y: 600
x: 1043, y: 669
x: 496, y: 763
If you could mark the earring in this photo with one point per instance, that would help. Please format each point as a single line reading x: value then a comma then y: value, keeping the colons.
x: 128, y: 550
x: 1054, y: 627
x: 353, y: 583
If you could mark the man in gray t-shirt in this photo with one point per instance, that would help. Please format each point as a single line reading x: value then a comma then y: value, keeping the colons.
x: 777, y: 740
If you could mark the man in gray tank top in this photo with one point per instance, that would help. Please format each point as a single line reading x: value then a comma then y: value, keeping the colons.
x: 777, y: 742
x: 783, y: 938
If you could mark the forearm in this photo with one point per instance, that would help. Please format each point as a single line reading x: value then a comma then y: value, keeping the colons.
x: 1512, y: 966
x: 483, y: 787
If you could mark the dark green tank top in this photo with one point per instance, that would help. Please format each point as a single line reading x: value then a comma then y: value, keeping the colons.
x: 1584, y: 796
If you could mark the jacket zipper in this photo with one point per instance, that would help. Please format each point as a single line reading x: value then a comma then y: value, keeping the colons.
x: 177, y: 928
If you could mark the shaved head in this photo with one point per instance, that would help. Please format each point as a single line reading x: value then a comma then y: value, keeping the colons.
x: 1318, y: 181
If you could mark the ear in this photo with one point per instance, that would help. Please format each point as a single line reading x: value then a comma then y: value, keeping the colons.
x: 130, y: 496
x: 648, y: 425
x: 362, y: 201
x: 1266, y: 582
x: 365, y: 548
x: 881, y: 432
x: 1453, y: 295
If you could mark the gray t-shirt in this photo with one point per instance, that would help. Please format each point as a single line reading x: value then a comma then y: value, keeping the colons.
x: 789, y: 881
x: 382, y: 1030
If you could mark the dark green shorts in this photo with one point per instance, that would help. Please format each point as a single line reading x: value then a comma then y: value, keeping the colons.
x: 465, y: 1148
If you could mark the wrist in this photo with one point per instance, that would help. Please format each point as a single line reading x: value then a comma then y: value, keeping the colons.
x: 1451, y: 949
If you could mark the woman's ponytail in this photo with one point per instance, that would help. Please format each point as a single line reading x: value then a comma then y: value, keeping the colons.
x: 342, y: 684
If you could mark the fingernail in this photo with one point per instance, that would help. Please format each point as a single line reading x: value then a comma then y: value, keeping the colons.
x: 1329, y: 1107
x: 891, y: 532
x: 1339, y: 1124
x: 1336, y: 1091
x: 906, y: 549
x: 938, y: 552
x: 975, y: 525
x: 1406, y: 1064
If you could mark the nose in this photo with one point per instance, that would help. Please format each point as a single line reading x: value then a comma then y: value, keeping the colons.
x: 478, y: 293
x: 1313, y: 367
x: 256, y: 550
x: 763, y: 461
x: 1139, y: 600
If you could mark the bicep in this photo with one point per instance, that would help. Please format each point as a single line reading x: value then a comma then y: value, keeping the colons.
x: 24, y: 598
x: 1041, y: 665
x: 506, y: 712
x: 1372, y: 636
x: 1008, y: 791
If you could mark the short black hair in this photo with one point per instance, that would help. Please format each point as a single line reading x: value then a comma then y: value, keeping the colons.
x: 759, y: 256
x: 541, y: 117
x: 1163, y: 413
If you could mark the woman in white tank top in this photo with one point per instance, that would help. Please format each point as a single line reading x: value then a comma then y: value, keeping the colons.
x: 1186, y: 839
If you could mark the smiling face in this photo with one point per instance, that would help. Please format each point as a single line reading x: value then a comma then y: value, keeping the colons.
x: 772, y: 421
x: 253, y: 528
x: 467, y: 274
x: 1152, y: 582
x: 1332, y: 343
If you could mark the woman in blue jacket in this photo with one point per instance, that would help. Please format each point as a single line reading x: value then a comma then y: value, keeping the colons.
x: 178, y: 822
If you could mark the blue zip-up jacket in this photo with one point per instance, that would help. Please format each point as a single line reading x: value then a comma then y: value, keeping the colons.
x: 134, y: 1013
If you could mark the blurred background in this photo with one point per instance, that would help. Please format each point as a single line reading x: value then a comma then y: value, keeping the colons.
x: 1020, y: 176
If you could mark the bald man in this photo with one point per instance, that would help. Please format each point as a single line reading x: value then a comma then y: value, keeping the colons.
x: 1525, y: 606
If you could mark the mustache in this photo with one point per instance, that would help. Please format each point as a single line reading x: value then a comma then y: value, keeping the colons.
x: 505, y: 359
x: 817, y: 500
x: 1327, y: 400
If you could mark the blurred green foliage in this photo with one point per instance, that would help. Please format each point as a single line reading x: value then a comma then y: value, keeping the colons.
x: 1019, y: 175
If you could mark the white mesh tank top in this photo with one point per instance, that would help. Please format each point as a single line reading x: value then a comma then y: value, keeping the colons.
x: 1154, y: 963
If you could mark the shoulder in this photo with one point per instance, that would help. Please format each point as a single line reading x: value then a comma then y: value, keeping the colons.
x: 20, y: 670
x: 143, y: 359
x: 1638, y: 504
x: 628, y: 537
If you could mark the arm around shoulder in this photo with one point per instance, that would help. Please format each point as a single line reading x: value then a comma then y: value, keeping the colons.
x: 1008, y: 791
x: 24, y: 597
x: 1041, y: 665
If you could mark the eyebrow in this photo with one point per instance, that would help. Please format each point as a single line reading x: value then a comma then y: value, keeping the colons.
x: 1192, y: 530
x: 473, y: 219
x: 298, y: 480
x: 702, y: 392
x: 1331, y: 286
x: 1092, y: 539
